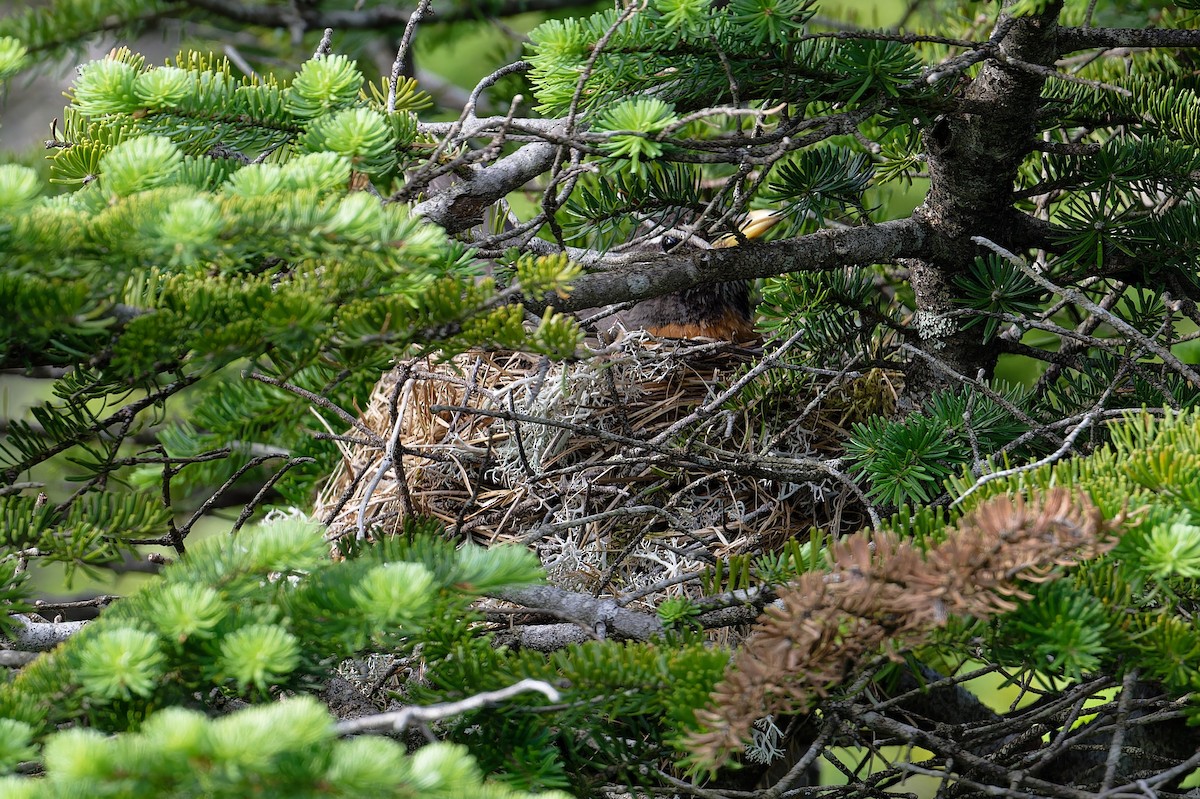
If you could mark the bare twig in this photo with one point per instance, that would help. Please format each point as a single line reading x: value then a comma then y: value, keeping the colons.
x: 410, y: 28
x: 257, y: 500
x: 325, y: 45
x: 1060, y: 453
x: 1121, y: 722
x: 399, y: 720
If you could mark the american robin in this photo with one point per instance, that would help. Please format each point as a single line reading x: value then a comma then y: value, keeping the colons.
x: 717, y: 311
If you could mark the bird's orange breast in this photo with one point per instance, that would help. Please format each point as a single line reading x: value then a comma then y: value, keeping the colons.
x: 730, y: 326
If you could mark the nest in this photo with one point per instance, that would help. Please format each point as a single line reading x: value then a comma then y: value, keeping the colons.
x: 625, y: 471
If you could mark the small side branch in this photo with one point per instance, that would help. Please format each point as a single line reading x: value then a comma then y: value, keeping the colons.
x: 1135, y: 336
x: 604, y: 616
x: 400, y: 720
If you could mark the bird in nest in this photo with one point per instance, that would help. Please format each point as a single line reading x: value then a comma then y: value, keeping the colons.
x: 718, y: 311
x: 604, y: 513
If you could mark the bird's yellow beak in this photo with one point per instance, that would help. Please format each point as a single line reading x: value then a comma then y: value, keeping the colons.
x: 756, y: 224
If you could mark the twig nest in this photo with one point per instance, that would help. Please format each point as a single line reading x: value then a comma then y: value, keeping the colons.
x: 626, y: 471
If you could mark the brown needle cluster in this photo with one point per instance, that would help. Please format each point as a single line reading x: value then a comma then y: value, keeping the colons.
x: 887, y: 594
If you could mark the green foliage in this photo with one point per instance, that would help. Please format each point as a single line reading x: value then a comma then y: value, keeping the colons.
x: 907, y: 460
x: 901, y: 461
x: 900, y: 156
x: 51, y: 32
x: 267, y: 611
x: 323, y: 109
x: 996, y: 285
x: 250, y: 615
x: 258, y: 655
x: 18, y: 186
x: 105, y: 87
x: 91, y: 531
x: 648, y: 693
x: 12, y: 57
x: 1095, y: 226
x: 874, y: 67
x: 841, y: 313
x: 221, y: 227
x: 1061, y: 630
x: 1079, y: 389
x: 1173, y: 549
x: 362, y: 135
x: 1104, y: 212
x: 678, y: 612
x: 768, y: 569
x: 60, y: 321
x: 174, y: 261
x: 118, y: 663
x: 1027, y: 8
x: 684, y: 17
x: 16, y: 739
x: 546, y: 273
x: 926, y: 524
x: 604, y: 210
x: 323, y: 84
x: 769, y: 22
x: 757, y: 45
x: 140, y: 164
x: 286, y: 748
x: 821, y: 181
x: 644, y: 117
x: 1131, y: 608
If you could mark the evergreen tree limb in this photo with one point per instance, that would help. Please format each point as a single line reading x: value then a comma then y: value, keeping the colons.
x: 884, y: 593
x: 463, y: 203
x: 124, y: 416
x: 1072, y: 39
x: 603, y: 616
x: 1145, y: 342
x: 640, y: 275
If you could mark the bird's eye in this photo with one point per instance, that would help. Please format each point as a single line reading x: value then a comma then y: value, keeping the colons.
x: 670, y: 242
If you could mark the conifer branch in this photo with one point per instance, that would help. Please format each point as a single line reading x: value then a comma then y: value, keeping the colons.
x: 1145, y: 342
x: 124, y: 416
x: 636, y: 276
x: 884, y: 593
x: 1073, y: 39
x: 223, y: 223
x: 603, y: 616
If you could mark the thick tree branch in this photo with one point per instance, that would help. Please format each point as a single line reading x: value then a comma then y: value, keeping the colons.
x: 973, y: 153
x: 606, y: 618
x: 1072, y: 39
x: 463, y: 203
x: 636, y: 276
x: 42, y: 636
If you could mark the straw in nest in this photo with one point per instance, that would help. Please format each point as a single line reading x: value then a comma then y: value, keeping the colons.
x: 617, y: 469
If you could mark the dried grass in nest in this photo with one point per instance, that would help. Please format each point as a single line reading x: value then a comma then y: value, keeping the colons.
x: 583, y: 461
